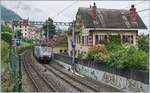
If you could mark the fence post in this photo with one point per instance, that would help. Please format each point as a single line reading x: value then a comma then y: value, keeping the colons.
x: 20, y: 74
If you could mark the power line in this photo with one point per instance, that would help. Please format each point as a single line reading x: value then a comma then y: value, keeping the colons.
x: 135, y: 4
x: 143, y: 10
x: 65, y: 9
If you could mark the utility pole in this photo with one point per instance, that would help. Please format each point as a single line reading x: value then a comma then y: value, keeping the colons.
x: 73, y: 48
x: 47, y: 32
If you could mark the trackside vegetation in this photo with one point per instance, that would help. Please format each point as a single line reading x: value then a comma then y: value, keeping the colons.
x: 123, y: 56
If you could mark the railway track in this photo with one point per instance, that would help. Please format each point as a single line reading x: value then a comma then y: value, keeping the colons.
x: 51, y: 77
x: 83, y: 81
x: 41, y: 84
x: 81, y: 86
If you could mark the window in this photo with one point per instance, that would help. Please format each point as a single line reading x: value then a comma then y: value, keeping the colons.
x: 25, y: 33
x: 65, y: 51
x: 20, y: 26
x: 85, y: 40
x: 128, y: 39
x: 100, y: 39
x: 60, y: 51
x: 82, y: 39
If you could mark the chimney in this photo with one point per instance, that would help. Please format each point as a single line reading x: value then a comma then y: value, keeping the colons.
x: 90, y: 6
x: 133, y: 14
x: 94, y: 12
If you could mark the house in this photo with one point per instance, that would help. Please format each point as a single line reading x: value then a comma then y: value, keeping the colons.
x: 23, y: 26
x: 59, y: 44
x: 94, y: 25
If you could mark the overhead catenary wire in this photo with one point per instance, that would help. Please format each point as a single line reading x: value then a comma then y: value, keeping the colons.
x: 65, y: 9
x: 143, y: 10
x: 135, y: 4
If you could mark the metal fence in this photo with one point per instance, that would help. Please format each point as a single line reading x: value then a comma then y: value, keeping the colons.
x: 15, y: 64
x: 138, y: 75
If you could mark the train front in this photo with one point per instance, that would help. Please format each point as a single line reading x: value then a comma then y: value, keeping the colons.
x: 46, y: 54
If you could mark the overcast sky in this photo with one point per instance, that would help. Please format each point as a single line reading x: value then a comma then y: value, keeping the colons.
x: 66, y: 10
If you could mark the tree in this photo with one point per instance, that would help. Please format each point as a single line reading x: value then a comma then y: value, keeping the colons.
x: 6, y: 29
x: 143, y: 42
x: 18, y: 34
x: 6, y: 33
x: 6, y: 36
x: 49, y: 27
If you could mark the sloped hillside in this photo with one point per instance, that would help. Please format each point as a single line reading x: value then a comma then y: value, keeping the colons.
x: 8, y: 15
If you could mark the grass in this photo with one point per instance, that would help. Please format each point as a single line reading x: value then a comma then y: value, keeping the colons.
x: 6, y: 79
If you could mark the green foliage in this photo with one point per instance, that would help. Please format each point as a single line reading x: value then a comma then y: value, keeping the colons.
x: 114, y: 43
x: 6, y: 78
x: 8, y: 15
x: 6, y: 29
x: 18, y: 34
x: 143, y: 42
x: 7, y: 83
x: 130, y: 58
x: 6, y: 36
x: 120, y: 56
x: 6, y: 33
x: 97, y: 52
x: 4, y: 52
x: 22, y: 48
x: 49, y: 27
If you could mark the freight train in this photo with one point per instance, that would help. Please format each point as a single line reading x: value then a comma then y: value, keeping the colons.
x: 43, y: 53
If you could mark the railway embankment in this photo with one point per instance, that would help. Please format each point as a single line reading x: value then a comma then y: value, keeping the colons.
x: 123, y: 79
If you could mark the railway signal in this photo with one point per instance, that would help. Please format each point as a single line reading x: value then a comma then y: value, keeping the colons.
x: 18, y: 42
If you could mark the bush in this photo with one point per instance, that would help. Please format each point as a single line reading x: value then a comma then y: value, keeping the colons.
x: 6, y: 36
x: 114, y: 43
x: 6, y: 79
x: 22, y: 48
x: 137, y: 59
x: 143, y: 42
x: 6, y: 29
x: 98, y: 52
x: 4, y: 52
x: 130, y: 58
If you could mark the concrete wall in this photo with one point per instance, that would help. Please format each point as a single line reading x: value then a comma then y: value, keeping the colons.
x: 117, y: 81
x: 58, y: 48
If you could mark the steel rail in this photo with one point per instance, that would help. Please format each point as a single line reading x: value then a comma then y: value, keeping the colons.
x: 63, y: 78
x: 93, y: 88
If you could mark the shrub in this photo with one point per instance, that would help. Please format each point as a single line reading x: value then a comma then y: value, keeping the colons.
x: 6, y: 36
x: 98, y: 52
x: 120, y: 56
x: 130, y: 58
x: 22, y: 48
x: 143, y: 42
x: 4, y: 52
x: 114, y: 43
x: 137, y: 59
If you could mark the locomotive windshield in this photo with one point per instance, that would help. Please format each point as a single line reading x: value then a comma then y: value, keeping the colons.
x: 46, y: 49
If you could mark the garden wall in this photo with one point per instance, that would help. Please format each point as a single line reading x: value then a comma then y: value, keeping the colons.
x: 124, y: 79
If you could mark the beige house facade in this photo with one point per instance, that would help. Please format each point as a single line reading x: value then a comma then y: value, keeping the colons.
x: 94, y: 26
x: 23, y: 26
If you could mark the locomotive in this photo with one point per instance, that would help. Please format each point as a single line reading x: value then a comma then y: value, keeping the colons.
x: 43, y: 53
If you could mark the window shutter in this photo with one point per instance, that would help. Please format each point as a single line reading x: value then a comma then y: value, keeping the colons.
x: 90, y: 40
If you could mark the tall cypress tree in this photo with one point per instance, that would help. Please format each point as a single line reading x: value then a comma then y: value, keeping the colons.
x: 49, y: 27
